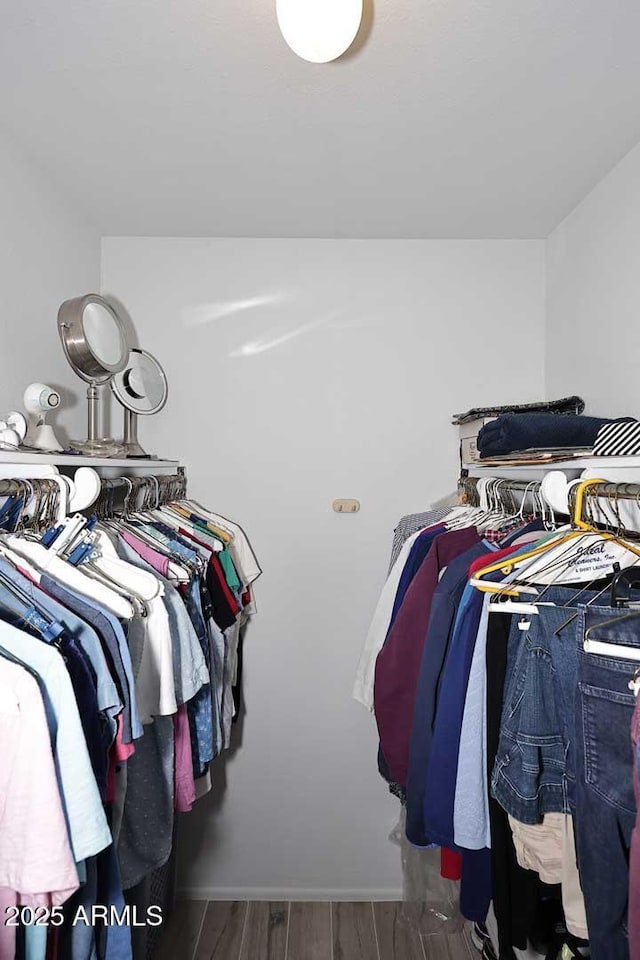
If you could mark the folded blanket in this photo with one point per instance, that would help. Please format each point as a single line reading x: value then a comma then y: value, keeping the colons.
x: 523, y: 430
x: 566, y: 405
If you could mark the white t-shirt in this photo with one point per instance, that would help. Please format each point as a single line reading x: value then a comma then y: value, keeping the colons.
x: 365, y: 673
x: 152, y: 658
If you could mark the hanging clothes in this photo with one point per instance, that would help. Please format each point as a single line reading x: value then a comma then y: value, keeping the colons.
x: 399, y: 660
x: 513, y: 743
x: 117, y: 674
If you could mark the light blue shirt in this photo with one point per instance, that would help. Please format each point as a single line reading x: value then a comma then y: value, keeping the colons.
x: 123, y: 647
x: 107, y: 693
x: 88, y: 829
x: 471, y: 807
x: 189, y: 668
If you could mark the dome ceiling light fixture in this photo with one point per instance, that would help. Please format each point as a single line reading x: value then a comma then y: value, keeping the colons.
x: 319, y: 30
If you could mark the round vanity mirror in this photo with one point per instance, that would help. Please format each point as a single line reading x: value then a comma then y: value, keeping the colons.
x: 141, y: 388
x: 93, y: 338
x: 104, y: 334
x: 95, y: 345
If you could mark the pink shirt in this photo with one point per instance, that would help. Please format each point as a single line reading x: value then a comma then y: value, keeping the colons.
x: 153, y: 557
x: 36, y: 864
x: 184, y: 786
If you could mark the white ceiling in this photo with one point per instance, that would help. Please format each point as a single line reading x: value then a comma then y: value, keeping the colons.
x: 450, y: 118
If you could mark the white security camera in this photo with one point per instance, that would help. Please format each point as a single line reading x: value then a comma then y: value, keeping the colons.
x: 39, y: 399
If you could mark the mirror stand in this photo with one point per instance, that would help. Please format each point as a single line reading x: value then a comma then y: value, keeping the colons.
x: 93, y: 412
x: 131, y: 444
x: 141, y: 388
x: 94, y: 445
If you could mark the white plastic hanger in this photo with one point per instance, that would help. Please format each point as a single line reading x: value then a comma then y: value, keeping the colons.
x: 37, y: 471
x: 73, y: 576
x: 19, y: 561
x: 129, y: 578
x: 561, y: 563
x: 555, y: 491
x: 498, y: 586
x: 616, y: 650
x: 71, y: 527
x: 85, y: 488
x: 76, y: 494
x: 517, y: 606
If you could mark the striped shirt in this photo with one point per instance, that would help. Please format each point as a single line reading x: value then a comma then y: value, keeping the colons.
x: 409, y: 525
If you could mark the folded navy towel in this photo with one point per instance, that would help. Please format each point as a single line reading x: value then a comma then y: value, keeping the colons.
x: 524, y: 430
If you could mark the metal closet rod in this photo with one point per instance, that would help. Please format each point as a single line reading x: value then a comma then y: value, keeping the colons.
x: 12, y: 487
x: 499, y: 488
x: 165, y: 487
x: 502, y: 484
x: 502, y: 489
x: 614, y: 491
x: 155, y: 490
x: 161, y: 478
x: 620, y: 491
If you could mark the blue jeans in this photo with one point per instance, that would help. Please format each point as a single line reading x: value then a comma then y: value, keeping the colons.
x: 535, y: 768
x: 534, y: 772
x: 605, y: 801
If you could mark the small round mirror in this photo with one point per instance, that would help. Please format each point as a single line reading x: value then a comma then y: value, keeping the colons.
x: 93, y: 338
x: 142, y: 386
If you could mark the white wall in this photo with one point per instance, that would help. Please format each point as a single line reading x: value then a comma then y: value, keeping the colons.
x: 48, y: 253
x: 301, y: 371
x: 593, y: 300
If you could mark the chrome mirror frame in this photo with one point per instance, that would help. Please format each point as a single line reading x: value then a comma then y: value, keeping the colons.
x: 86, y: 363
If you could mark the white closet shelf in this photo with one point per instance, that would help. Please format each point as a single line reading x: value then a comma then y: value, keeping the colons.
x: 69, y: 460
x: 571, y: 468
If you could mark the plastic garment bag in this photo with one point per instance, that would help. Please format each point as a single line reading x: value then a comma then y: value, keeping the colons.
x: 430, y: 903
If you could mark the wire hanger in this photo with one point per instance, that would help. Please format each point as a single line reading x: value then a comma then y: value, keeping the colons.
x: 580, y: 532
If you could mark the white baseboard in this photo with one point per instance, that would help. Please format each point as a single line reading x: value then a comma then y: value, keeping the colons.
x: 287, y: 893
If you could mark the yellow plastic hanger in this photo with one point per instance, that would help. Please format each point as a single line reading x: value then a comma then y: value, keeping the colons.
x: 576, y: 521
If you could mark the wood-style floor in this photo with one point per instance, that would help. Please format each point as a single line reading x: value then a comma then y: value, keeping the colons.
x: 226, y: 930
